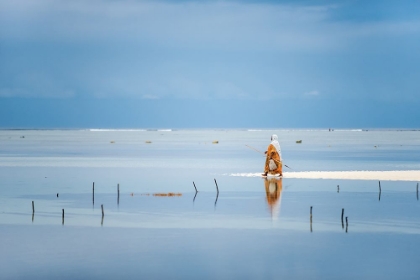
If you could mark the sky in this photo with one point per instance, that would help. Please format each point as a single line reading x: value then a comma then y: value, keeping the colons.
x: 209, y: 64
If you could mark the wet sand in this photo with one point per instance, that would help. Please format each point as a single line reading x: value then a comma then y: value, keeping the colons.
x: 394, y: 175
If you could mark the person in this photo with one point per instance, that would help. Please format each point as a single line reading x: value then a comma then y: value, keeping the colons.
x: 273, y: 161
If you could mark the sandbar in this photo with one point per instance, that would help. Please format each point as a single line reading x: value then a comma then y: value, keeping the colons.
x: 391, y: 175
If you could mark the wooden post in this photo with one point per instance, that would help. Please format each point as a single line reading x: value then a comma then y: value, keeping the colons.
x: 33, y: 207
x: 338, y: 188
x: 216, y: 187
x: 217, y: 196
x: 62, y: 217
x: 347, y: 224
x: 310, y: 218
x: 118, y: 197
x: 93, y: 193
x: 342, y: 216
x: 102, y: 220
x: 380, y: 190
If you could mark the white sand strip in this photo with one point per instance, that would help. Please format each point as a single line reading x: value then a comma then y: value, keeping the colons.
x: 393, y: 175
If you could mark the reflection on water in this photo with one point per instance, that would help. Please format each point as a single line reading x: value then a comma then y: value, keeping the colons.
x: 273, y: 189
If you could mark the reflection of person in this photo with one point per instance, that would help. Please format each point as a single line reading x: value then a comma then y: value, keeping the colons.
x: 273, y: 189
x: 273, y: 164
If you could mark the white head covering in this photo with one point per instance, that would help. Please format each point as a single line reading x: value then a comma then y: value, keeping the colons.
x: 276, y: 143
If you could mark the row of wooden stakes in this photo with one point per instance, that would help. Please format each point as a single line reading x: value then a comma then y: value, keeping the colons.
x: 118, y: 200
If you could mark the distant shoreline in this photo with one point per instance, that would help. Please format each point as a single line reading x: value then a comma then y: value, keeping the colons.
x: 207, y: 129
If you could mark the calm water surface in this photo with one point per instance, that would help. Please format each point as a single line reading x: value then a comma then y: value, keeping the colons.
x: 252, y: 229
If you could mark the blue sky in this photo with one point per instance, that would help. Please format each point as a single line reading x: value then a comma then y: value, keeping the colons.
x: 209, y: 64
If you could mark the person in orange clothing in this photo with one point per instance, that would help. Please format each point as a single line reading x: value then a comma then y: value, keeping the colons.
x: 273, y: 161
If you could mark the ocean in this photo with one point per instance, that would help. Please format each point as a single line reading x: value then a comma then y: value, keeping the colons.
x: 234, y: 227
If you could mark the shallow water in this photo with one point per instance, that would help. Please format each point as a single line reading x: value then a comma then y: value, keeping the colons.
x: 251, y: 229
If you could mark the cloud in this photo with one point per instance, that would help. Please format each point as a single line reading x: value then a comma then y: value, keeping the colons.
x: 33, y: 84
x: 193, y: 49
x: 150, y: 96
x: 44, y: 93
x: 190, y: 24
x: 311, y: 93
x: 220, y: 25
